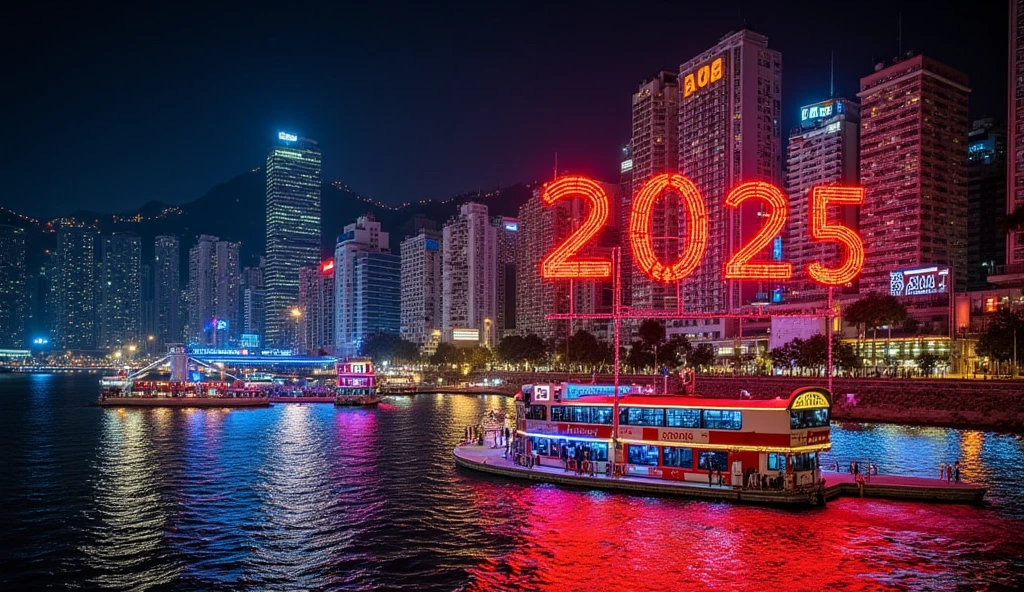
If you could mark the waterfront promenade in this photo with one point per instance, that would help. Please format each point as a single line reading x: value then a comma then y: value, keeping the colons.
x: 492, y: 460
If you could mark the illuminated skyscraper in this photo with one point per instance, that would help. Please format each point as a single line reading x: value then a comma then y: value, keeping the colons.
x: 367, y: 286
x: 507, y: 230
x: 469, y: 304
x: 293, y: 225
x: 986, y: 202
x: 421, y: 289
x: 12, y: 287
x: 823, y: 150
x: 730, y: 98
x: 76, y: 286
x: 213, y: 280
x: 654, y: 150
x: 167, y: 291
x: 1013, y: 274
x: 913, y: 166
x: 253, y: 301
x: 316, y: 303
x: 120, y: 306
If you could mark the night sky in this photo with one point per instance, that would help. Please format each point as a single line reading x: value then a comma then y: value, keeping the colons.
x: 108, y: 108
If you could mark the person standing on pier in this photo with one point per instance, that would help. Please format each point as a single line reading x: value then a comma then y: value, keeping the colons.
x: 942, y: 470
x: 956, y: 472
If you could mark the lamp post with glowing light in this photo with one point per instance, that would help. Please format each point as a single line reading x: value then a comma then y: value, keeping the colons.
x: 296, y: 313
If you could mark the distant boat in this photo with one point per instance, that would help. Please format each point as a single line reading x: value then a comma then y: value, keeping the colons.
x: 356, y: 383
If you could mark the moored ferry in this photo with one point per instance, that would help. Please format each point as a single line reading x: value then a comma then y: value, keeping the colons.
x: 356, y: 383
x: 754, y: 444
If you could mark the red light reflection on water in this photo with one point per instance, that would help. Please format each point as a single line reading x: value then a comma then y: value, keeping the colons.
x: 579, y: 540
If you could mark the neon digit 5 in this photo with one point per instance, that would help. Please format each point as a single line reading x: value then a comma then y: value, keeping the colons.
x: 562, y: 263
x: 642, y: 242
x: 739, y: 266
x: 851, y: 260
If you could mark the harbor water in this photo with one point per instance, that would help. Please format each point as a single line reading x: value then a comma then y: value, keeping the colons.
x: 310, y: 496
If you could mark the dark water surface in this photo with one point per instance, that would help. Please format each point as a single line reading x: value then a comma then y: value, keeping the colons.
x: 316, y: 497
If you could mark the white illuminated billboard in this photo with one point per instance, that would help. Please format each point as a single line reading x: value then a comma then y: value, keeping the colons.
x: 919, y: 281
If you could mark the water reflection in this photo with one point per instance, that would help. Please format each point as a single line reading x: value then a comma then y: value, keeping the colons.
x: 318, y: 497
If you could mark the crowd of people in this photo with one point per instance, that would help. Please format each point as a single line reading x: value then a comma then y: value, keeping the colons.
x: 950, y: 472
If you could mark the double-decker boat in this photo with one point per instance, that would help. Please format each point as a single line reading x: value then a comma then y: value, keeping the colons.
x: 770, y: 445
x: 166, y: 393
x: 356, y: 383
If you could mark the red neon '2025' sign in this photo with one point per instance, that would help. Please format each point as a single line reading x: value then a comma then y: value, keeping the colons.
x: 562, y: 262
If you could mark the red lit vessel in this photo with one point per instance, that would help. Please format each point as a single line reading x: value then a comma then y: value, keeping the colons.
x: 770, y: 445
x: 356, y: 383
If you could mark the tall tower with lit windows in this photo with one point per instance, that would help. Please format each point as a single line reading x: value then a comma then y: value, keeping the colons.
x: 293, y: 226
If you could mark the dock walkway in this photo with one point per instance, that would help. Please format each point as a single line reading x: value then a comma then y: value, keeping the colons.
x: 491, y: 460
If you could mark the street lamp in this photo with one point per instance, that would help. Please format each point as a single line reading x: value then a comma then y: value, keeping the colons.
x: 296, y: 313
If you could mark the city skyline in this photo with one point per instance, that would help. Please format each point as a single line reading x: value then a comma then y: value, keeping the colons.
x: 520, y: 149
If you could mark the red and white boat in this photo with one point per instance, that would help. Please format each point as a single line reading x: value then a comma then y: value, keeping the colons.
x: 760, y: 444
x: 356, y: 383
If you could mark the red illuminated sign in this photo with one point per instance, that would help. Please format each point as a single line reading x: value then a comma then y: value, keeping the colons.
x: 563, y: 264
x: 327, y: 266
x: 739, y: 266
x: 641, y: 239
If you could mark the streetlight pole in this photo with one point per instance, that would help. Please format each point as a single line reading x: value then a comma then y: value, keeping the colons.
x: 828, y: 334
x: 616, y: 324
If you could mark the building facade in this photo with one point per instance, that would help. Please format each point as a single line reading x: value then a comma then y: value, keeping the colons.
x: 913, y: 167
x: 1012, y: 274
x: 316, y: 306
x: 730, y: 108
x: 986, y: 202
x: 293, y: 226
x: 362, y: 307
x: 213, y: 290
x: 167, y: 290
x: 76, y: 290
x: 421, y: 289
x: 12, y: 287
x: 469, y: 303
x: 654, y: 150
x: 120, y: 305
x: 253, y: 303
x: 823, y: 150
x: 507, y: 230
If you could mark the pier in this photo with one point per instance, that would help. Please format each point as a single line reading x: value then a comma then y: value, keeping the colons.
x: 492, y: 460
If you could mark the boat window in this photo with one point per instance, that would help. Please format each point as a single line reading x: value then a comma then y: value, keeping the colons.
x: 776, y: 462
x: 536, y: 412
x: 682, y: 418
x: 720, y: 419
x: 599, y: 451
x: 711, y: 459
x: 581, y: 414
x: 807, y: 461
x: 642, y: 416
x: 810, y: 418
x: 643, y: 455
x: 540, y: 446
x: 677, y: 457
x: 556, y: 413
x: 601, y: 415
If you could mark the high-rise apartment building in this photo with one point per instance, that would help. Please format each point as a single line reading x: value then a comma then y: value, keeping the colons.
x: 147, y: 303
x: 421, y: 289
x: 986, y: 202
x: 167, y: 290
x: 12, y: 287
x: 293, y: 226
x: 654, y: 150
x: 76, y: 288
x: 120, y: 305
x: 42, y: 302
x: 823, y: 150
x: 730, y: 100
x: 913, y: 167
x: 469, y: 304
x: 213, y: 289
x: 367, y: 286
x: 1014, y: 271
x: 507, y: 230
x: 316, y: 306
x: 253, y: 303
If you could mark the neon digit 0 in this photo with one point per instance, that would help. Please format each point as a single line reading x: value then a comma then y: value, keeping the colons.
x: 562, y: 263
x: 642, y: 242
x: 739, y: 266
x: 851, y: 261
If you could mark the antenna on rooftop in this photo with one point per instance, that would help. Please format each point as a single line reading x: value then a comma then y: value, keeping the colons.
x: 556, y: 166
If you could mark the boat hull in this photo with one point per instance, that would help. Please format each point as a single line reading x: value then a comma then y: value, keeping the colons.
x: 356, y: 402
x: 327, y: 399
